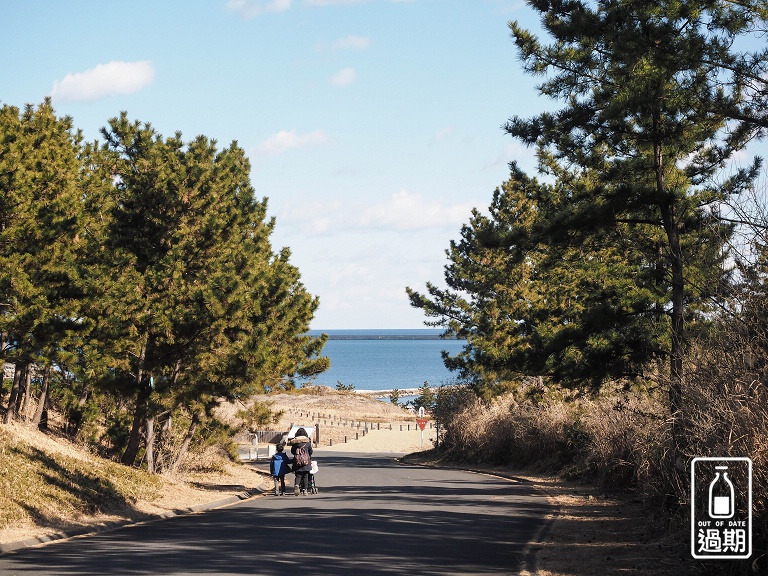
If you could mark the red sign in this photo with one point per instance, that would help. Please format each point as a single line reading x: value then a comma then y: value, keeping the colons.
x: 422, y: 422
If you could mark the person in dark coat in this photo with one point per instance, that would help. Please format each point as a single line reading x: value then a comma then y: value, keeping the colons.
x: 279, y: 467
x: 301, y: 440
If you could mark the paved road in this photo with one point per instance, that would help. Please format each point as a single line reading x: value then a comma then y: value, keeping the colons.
x: 371, y: 517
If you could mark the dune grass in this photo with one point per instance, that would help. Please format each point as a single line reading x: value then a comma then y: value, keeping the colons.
x: 53, y: 484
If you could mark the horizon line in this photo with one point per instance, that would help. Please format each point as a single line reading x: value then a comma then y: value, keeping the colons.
x: 374, y: 329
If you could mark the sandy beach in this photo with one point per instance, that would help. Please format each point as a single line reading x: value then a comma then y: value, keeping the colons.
x: 387, y: 441
x: 350, y: 421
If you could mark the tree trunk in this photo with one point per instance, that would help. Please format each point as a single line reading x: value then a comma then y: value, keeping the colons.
x: 2, y: 351
x: 187, y: 441
x: 150, y: 444
x: 84, y: 393
x: 41, y: 404
x: 18, y: 374
x: 139, y: 418
x: 139, y: 414
x: 165, y: 428
x: 75, y: 418
x: 24, y: 400
x: 678, y: 334
x: 672, y: 229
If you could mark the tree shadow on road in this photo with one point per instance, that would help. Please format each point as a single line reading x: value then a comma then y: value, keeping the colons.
x: 439, y: 525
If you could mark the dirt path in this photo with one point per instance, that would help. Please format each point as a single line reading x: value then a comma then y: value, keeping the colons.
x: 593, y: 533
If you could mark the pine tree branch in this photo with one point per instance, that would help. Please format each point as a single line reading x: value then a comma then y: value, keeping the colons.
x: 744, y: 222
x: 638, y: 221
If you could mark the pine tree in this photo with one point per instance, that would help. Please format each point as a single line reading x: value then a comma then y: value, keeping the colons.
x: 212, y: 313
x: 530, y: 305
x: 40, y: 226
x: 488, y: 300
x: 658, y: 100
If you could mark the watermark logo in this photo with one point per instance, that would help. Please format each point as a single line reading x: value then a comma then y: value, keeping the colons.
x: 721, y: 508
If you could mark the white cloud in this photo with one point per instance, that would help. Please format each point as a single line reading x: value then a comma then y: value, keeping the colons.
x: 333, y: 2
x: 344, y: 77
x: 286, y: 140
x: 444, y: 134
x: 402, y: 211
x: 251, y: 8
x: 312, y: 218
x: 358, y: 255
x: 104, y: 80
x: 352, y: 43
x: 407, y: 211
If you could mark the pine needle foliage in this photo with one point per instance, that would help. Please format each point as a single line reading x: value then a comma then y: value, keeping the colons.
x: 140, y: 268
x: 613, y: 258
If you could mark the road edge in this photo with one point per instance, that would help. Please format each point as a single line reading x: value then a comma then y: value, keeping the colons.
x: 529, y: 561
x: 93, y: 529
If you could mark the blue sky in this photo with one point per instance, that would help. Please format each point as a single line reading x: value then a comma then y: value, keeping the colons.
x: 373, y: 126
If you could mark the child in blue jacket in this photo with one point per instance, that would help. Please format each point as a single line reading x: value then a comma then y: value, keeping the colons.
x: 280, y: 465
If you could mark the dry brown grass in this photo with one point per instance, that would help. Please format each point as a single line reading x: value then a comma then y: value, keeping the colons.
x: 726, y: 414
x: 620, y: 440
x: 49, y: 485
x: 611, y: 437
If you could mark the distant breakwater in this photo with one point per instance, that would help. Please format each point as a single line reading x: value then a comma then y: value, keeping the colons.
x: 405, y: 334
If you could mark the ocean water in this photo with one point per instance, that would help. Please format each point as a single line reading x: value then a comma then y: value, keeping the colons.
x: 386, y: 359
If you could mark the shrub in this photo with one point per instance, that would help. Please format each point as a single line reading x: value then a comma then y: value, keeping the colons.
x: 726, y: 414
x: 617, y: 438
x: 258, y: 415
x: 503, y: 430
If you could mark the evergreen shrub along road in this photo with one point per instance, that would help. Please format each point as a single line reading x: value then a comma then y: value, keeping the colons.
x: 138, y: 285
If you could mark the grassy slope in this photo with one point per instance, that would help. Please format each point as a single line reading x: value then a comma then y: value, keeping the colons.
x: 49, y: 485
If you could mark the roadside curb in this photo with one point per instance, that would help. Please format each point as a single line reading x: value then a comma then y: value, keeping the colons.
x: 9, y: 547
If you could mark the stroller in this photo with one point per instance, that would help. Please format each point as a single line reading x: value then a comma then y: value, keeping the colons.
x: 312, y: 473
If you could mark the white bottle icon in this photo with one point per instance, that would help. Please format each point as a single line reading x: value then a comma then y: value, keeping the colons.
x: 721, y: 495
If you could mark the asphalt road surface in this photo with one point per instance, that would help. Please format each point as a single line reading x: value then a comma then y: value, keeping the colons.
x: 372, y: 516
